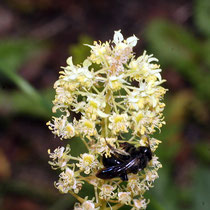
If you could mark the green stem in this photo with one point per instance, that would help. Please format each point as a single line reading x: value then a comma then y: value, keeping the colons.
x: 117, y: 206
x: 94, y: 88
x: 27, y: 89
x: 103, y: 70
x: 103, y: 207
x: 123, y: 108
x: 81, y: 200
x: 114, y: 103
x: 105, y: 121
x: 85, y: 143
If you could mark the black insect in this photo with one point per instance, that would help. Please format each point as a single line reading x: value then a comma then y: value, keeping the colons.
x: 120, y: 165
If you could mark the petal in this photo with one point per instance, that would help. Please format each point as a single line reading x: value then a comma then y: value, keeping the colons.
x: 69, y: 61
x: 118, y: 37
x: 87, y: 63
x: 102, y: 114
x: 132, y: 41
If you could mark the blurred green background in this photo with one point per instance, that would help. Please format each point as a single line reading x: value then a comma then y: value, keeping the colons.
x: 36, y: 37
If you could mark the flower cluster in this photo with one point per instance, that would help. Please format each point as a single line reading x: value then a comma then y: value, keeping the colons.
x: 119, y: 98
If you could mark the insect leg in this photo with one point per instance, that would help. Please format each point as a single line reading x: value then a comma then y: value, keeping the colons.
x: 124, y: 176
x: 121, y: 155
x: 129, y: 148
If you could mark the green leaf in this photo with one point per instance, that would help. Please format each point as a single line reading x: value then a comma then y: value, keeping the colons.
x: 65, y: 202
x: 202, y: 16
x: 19, y: 103
x: 206, y: 53
x: 164, y: 194
x: 179, y: 50
x: 79, y: 51
x: 14, y: 52
x: 201, y: 189
x: 172, y: 42
x: 203, y: 151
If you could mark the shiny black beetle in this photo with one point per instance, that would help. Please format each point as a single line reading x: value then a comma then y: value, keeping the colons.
x: 120, y: 165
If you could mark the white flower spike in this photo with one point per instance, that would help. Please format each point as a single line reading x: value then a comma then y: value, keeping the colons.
x: 111, y: 113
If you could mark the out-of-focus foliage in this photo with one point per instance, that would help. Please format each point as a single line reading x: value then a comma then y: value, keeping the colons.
x: 184, y: 54
x: 179, y: 49
x: 202, y: 16
x: 200, y: 189
x: 79, y: 51
x: 13, y: 53
x: 17, y: 102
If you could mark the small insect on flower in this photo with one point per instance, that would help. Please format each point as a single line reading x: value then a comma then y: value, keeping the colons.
x: 119, y: 165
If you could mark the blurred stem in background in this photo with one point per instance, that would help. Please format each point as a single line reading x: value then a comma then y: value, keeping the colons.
x: 13, y: 53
